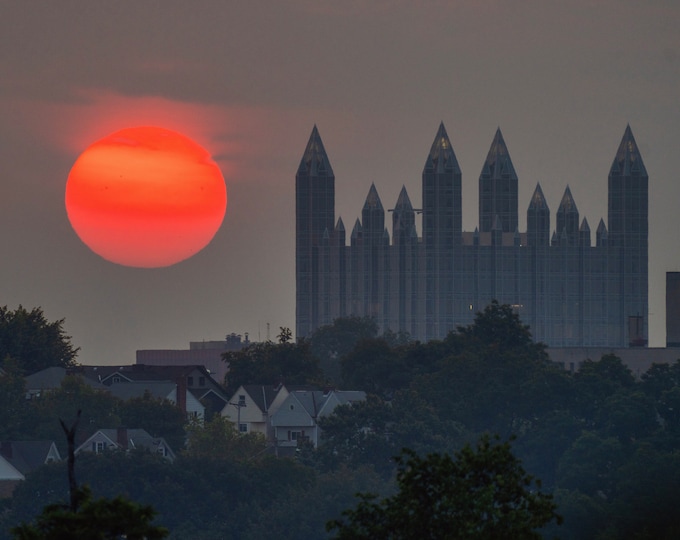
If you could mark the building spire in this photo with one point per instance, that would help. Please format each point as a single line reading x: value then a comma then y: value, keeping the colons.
x: 442, y: 157
x: 315, y: 160
x: 538, y: 201
x: 498, y: 163
x: 628, y: 160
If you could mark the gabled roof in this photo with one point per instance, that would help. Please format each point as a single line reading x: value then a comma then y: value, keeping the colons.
x: 262, y: 395
x: 441, y: 158
x: 52, y: 377
x: 137, y: 389
x: 628, y: 160
x: 135, y: 439
x: 315, y: 160
x: 498, y: 163
x: 26, y: 456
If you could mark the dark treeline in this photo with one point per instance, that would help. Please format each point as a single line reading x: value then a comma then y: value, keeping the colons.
x: 603, y: 443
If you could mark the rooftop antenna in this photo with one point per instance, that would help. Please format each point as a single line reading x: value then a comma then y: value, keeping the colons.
x: 267, y: 331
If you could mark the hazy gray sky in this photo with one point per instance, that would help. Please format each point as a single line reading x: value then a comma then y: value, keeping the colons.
x: 249, y: 80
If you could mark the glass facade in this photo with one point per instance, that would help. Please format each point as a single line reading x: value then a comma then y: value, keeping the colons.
x: 570, y: 292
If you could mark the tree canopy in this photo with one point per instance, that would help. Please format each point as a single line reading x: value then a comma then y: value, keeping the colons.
x: 33, y: 341
x: 477, y: 493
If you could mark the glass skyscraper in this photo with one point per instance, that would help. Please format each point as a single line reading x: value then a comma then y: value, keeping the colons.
x: 570, y: 292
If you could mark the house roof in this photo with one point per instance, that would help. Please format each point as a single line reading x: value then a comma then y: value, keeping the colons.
x: 52, y: 377
x: 136, y: 439
x: 26, y: 456
x: 262, y: 395
x: 137, y: 389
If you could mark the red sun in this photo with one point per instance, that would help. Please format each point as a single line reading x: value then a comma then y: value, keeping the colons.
x: 145, y: 197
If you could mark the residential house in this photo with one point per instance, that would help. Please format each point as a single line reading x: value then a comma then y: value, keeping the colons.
x: 123, y: 439
x: 252, y: 405
x: 18, y: 458
x: 49, y: 379
x: 296, y: 418
x: 197, y: 392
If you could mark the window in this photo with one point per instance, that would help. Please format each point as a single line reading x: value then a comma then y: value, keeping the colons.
x: 295, y: 435
x: 190, y: 381
x: 116, y: 379
x: 98, y: 446
x: 201, y: 381
x: 242, y: 401
x: 243, y: 428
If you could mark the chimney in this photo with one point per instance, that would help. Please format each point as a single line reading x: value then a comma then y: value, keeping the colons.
x: 122, y: 437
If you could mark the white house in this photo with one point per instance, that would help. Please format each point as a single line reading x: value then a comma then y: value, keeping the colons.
x: 296, y: 418
x: 107, y: 440
x: 251, y: 407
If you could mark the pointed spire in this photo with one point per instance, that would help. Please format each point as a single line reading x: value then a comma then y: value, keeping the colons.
x: 628, y: 160
x: 601, y: 235
x: 356, y: 230
x: 498, y: 163
x: 538, y: 201
x: 601, y: 227
x: 584, y: 234
x: 340, y: 226
x: 403, y: 202
x: 568, y: 205
x: 373, y: 200
x: 315, y: 160
x: 442, y: 157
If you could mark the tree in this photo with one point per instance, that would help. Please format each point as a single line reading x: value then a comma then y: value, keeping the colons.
x: 478, y: 493
x: 94, y: 519
x: 272, y: 363
x: 14, y: 421
x: 84, y: 517
x: 33, y: 341
x: 330, y: 343
x: 160, y: 418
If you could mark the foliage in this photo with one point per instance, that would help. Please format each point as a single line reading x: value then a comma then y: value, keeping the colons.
x: 15, y: 420
x: 479, y: 493
x: 271, y: 363
x: 160, y: 418
x: 217, y: 440
x: 100, y: 410
x: 332, y: 342
x: 94, y: 519
x: 33, y: 341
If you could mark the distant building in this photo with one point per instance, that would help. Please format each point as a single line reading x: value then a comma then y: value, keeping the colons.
x: 205, y: 353
x: 672, y: 309
x: 572, y: 293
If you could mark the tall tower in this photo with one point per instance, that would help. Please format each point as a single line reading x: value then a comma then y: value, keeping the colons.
x: 498, y: 188
x: 314, y: 218
x: 538, y: 219
x: 373, y: 222
x: 628, y: 230
x: 442, y: 225
x: 568, y: 219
